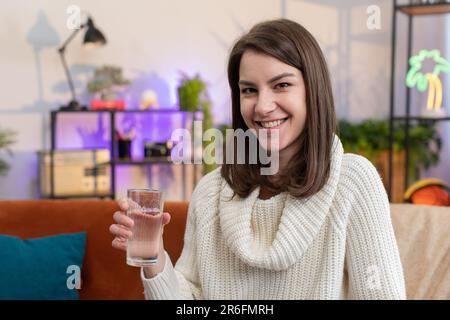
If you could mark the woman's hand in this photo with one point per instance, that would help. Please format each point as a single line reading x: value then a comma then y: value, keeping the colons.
x: 121, y: 229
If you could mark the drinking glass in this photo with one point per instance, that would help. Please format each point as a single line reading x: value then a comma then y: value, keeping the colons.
x: 145, y: 207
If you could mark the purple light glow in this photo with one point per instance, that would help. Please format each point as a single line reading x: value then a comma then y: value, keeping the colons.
x: 82, y: 131
x: 156, y: 127
x: 92, y: 130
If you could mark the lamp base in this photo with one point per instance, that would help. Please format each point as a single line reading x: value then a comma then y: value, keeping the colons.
x: 73, y: 105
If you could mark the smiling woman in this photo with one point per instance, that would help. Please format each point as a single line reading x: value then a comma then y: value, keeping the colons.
x: 279, y: 80
x: 273, y: 102
x: 318, y: 228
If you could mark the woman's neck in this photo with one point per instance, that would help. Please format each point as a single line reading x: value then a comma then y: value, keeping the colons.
x: 284, y: 157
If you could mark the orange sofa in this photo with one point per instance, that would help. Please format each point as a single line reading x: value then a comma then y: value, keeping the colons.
x: 421, y: 231
x: 105, y: 275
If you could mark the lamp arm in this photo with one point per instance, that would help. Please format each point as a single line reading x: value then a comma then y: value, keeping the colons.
x: 62, y: 51
x: 66, y: 70
x: 74, y: 33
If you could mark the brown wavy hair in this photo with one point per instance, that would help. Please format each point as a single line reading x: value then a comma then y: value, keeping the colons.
x: 308, y: 170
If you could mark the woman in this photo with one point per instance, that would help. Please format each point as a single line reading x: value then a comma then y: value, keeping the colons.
x: 319, y: 228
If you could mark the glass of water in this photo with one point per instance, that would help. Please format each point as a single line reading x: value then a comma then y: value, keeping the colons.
x: 145, y: 207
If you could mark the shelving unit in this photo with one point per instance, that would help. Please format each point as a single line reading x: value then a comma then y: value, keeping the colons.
x: 114, y: 162
x: 411, y: 10
x: 424, y: 8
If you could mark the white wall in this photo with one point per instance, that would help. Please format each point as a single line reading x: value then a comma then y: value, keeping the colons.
x: 152, y: 41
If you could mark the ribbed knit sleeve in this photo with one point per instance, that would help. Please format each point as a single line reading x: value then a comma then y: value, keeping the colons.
x: 164, y: 286
x: 180, y: 282
x: 186, y: 267
x: 372, y: 258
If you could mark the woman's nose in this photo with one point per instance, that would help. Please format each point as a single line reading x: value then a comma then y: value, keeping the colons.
x: 265, y: 104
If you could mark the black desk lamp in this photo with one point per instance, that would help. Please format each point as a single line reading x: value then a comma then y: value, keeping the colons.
x: 92, y: 38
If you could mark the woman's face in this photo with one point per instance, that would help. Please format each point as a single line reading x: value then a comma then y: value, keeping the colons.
x: 272, y: 96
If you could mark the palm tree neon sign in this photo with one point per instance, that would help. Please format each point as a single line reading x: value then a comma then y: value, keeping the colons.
x: 416, y: 78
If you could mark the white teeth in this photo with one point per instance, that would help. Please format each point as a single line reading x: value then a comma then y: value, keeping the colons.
x: 270, y: 124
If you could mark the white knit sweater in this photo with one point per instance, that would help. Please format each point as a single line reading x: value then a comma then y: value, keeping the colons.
x: 337, y: 244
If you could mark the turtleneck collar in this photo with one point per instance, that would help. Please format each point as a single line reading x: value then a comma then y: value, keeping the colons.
x: 300, y: 222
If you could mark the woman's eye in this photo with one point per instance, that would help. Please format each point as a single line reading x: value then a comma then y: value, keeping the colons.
x: 282, y: 85
x: 247, y: 90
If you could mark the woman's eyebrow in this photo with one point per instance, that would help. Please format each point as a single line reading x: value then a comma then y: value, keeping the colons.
x: 280, y: 76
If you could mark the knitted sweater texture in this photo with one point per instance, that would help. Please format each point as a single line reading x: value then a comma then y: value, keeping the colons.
x: 337, y: 244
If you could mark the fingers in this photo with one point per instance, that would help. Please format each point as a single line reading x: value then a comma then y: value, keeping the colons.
x: 166, y: 218
x: 122, y: 219
x: 119, y: 243
x: 120, y: 231
x: 123, y: 204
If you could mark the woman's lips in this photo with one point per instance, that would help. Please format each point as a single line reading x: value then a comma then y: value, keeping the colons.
x: 260, y: 126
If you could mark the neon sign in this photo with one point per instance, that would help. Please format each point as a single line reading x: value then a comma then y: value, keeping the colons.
x: 423, y: 81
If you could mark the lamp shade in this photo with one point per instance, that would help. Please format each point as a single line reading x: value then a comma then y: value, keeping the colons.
x: 93, y: 37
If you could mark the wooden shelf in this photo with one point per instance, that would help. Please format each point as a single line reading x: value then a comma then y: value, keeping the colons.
x: 143, y: 162
x: 425, y: 9
x: 155, y: 160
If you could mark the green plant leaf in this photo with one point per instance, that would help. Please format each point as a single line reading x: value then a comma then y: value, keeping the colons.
x: 371, y: 137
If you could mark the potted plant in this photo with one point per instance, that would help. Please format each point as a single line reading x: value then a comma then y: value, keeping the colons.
x: 190, y: 91
x: 7, y: 138
x: 370, y: 138
x: 193, y: 97
x: 106, y: 83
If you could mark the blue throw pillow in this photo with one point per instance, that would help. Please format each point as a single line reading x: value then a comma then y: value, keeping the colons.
x: 41, y: 268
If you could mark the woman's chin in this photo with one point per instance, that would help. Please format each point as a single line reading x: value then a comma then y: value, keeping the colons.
x: 270, y: 148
